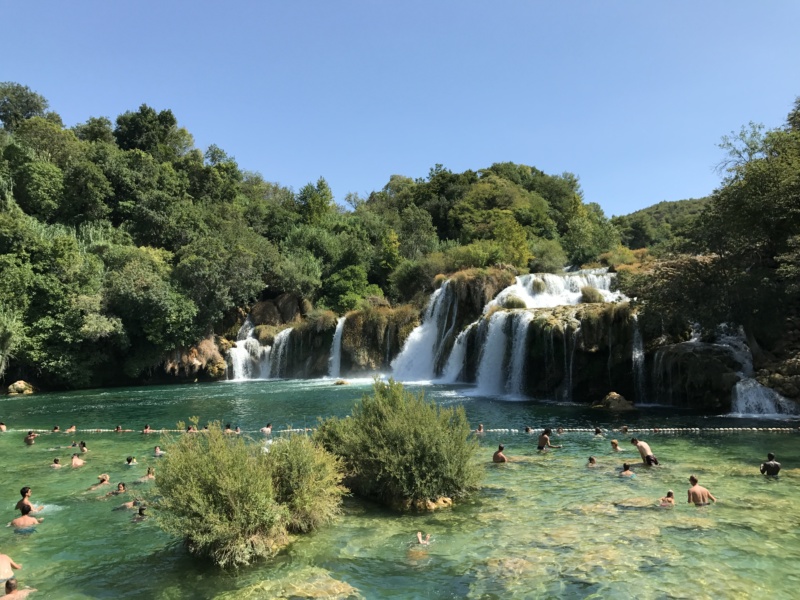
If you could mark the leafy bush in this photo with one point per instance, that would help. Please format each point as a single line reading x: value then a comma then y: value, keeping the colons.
x: 618, y: 256
x: 514, y: 302
x: 400, y: 449
x: 234, y: 503
x: 590, y: 294
x: 548, y: 256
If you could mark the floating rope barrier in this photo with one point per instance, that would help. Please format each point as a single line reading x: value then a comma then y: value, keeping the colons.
x: 651, y: 431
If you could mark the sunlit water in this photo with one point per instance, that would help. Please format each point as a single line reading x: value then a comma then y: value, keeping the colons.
x: 542, y: 527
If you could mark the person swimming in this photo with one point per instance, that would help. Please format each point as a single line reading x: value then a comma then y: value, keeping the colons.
x: 592, y: 462
x: 25, y: 521
x: 131, y: 461
x: 544, y: 441
x: 668, y: 500
x: 626, y: 471
x: 104, y: 478
x: 422, y: 541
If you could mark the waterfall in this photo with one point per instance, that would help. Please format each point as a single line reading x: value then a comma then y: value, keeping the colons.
x: 422, y: 351
x: 491, y: 372
x: 335, y: 360
x: 519, y: 352
x: 637, y: 359
x: 575, y: 333
x: 248, y: 358
x: 545, y: 290
x: 455, y: 362
x: 279, y: 354
x: 751, y: 398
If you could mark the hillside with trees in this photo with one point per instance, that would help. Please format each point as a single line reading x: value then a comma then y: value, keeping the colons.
x: 122, y: 243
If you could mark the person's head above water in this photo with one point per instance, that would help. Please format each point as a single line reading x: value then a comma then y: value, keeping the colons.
x: 11, y: 585
x: 141, y: 511
x: 103, y: 477
x: 56, y: 461
x: 626, y: 467
x: 25, y: 509
x: 592, y: 460
x: 770, y: 456
x: 120, y: 487
x: 597, y: 431
x: 670, y: 494
x: 634, y: 441
x: 693, y: 480
x: 130, y: 459
x: 26, y: 491
x: 547, y: 431
x: 500, y: 448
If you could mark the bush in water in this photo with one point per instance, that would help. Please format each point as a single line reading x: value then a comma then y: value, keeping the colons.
x: 400, y: 449
x: 235, y: 503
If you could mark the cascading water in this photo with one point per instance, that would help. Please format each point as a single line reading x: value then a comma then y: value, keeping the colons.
x: 751, y: 398
x: 455, y: 362
x: 421, y: 353
x: 519, y: 352
x: 279, y: 354
x: 491, y: 372
x: 637, y: 359
x: 335, y: 360
x: 248, y: 358
x: 545, y: 290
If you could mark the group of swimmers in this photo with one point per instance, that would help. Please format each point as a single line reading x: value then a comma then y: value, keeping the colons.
x: 697, y: 494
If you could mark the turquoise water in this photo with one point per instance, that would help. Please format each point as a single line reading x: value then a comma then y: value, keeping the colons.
x: 544, y: 526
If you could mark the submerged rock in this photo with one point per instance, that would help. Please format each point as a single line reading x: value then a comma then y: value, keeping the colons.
x: 309, y: 582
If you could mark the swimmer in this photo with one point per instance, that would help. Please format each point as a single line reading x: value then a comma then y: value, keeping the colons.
x: 544, y: 441
x: 598, y: 431
x: 592, y: 462
x: 560, y: 430
x: 6, y: 564
x: 237, y: 431
x: 121, y: 489
x: 30, y: 439
x: 498, y: 456
x: 644, y: 450
x: 56, y: 429
x: 56, y: 463
x: 227, y: 428
x: 104, y: 478
x: 480, y: 428
x: 699, y: 495
x: 71, y: 429
x: 140, y: 516
x: 266, y: 430
x: 129, y: 505
x: 77, y: 461
x: 26, y: 501
x: 626, y: 471
x: 82, y: 446
x: 624, y: 429
x: 772, y: 467
x: 118, y: 429
x: 146, y: 429
x: 151, y: 474
x: 2, y: 427
x: 668, y: 500
x: 528, y: 429
x: 13, y: 591
x: 130, y: 461
x: 424, y: 542
x: 615, y: 446
x: 26, y: 520
x: 158, y: 452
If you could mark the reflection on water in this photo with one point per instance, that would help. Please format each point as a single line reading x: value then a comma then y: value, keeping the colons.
x: 542, y: 526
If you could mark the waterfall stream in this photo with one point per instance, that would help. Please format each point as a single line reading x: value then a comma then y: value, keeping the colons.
x: 637, y: 359
x: 335, y: 360
x: 491, y: 369
x: 248, y: 358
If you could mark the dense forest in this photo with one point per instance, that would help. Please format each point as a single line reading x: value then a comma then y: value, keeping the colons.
x: 120, y: 242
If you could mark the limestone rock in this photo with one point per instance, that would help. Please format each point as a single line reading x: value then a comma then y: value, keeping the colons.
x: 20, y: 388
x: 613, y: 401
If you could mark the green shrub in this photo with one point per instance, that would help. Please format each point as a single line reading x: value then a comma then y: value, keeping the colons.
x: 400, y: 449
x: 539, y: 286
x: 590, y: 294
x: 234, y: 503
x: 514, y: 302
x: 548, y: 256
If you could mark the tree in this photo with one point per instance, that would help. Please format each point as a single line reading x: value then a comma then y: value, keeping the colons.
x: 96, y: 129
x: 18, y: 103
x: 315, y: 201
x: 39, y: 189
x: 156, y: 133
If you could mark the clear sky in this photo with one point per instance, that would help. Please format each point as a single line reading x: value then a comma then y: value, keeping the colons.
x: 632, y: 96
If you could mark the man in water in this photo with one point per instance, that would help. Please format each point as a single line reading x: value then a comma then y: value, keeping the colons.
x: 13, y: 591
x: 668, y: 500
x: 6, y: 564
x: 498, y: 456
x: 104, y: 480
x: 131, y: 461
x: 26, y: 520
x: 146, y: 429
x: 644, y: 450
x: 626, y: 471
x: 2, y: 427
x: 544, y: 441
x: 772, y: 467
x: 71, y: 429
x: 699, y: 495
x: 77, y: 461
x: 56, y: 463
x: 140, y: 516
x: 592, y: 462
x: 26, y: 501
x: 30, y: 439
x: 56, y: 429
x: 480, y: 428
x: 267, y: 430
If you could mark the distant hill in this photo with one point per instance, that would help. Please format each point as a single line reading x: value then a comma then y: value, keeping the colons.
x: 659, y: 223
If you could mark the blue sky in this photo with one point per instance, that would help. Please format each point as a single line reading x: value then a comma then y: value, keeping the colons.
x: 632, y: 96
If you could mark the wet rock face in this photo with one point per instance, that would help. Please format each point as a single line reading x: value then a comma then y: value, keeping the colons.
x: 614, y: 401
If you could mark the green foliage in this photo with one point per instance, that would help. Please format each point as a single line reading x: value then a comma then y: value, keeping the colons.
x: 512, y: 301
x: 618, y: 256
x: 11, y: 332
x: 399, y: 448
x: 235, y: 503
x: 591, y: 295
x: 18, y: 103
x: 548, y: 256
x: 40, y: 186
x: 315, y: 202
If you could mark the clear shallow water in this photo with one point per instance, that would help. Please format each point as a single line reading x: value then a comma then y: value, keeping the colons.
x: 542, y: 527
